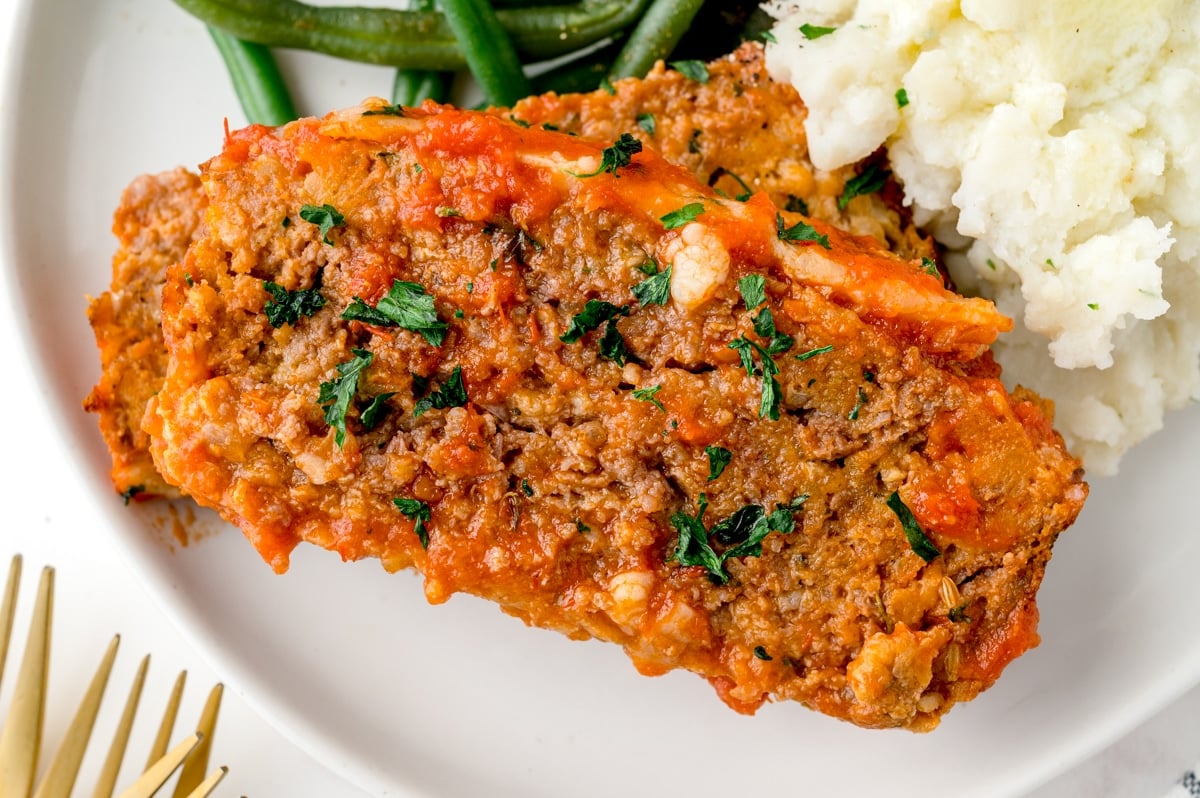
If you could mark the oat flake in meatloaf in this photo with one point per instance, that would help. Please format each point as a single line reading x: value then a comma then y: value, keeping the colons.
x: 556, y: 478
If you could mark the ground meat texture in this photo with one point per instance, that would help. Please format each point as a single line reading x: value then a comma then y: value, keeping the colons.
x: 158, y: 218
x: 749, y: 126
x: 554, y: 489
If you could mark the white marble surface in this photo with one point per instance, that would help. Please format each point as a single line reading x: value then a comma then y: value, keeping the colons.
x: 46, y: 520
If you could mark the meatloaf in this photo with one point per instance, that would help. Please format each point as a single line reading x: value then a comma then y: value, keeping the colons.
x: 738, y: 131
x: 569, y: 377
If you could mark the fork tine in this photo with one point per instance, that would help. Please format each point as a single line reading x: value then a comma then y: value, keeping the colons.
x: 208, y: 785
x: 197, y: 764
x: 107, y: 779
x: 168, y: 722
x: 64, y: 768
x: 161, y: 770
x: 8, y: 609
x: 22, y: 733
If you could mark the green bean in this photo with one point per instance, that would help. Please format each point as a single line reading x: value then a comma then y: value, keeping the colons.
x: 579, y: 75
x: 256, y: 80
x: 488, y: 50
x: 415, y: 86
x: 414, y: 39
x: 655, y: 37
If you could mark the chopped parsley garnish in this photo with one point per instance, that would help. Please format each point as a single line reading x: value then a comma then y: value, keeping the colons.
x: 518, y: 121
x: 959, y: 614
x: 753, y: 288
x: 694, y: 141
x: 386, y: 110
x: 648, y: 395
x: 420, y: 513
x: 901, y: 97
x: 868, y: 181
x: 991, y: 264
x: 796, y: 205
x: 720, y: 172
x: 405, y: 305
x: 581, y: 527
x: 929, y: 266
x: 741, y: 535
x: 800, y: 231
x: 1094, y: 305
x: 858, y: 404
x: 917, y: 541
x: 607, y: 85
x: 695, y: 70
x: 718, y: 458
x: 618, y: 156
x: 762, y: 654
x: 680, y: 217
x: 594, y: 313
x: 820, y: 350
x: 768, y: 37
x: 133, y: 490
x: 767, y: 368
x: 286, y: 307
x: 815, y: 31
x: 764, y: 327
x: 452, y: 393
x: 287, y: 222
x: 649, y: 268
x: 526, y: 488
x: 325, y: 217
x: 654, y: 290
x: 335, y: 396
x: 375, y: 412
x: 187, y: 278
x: 646, y: 122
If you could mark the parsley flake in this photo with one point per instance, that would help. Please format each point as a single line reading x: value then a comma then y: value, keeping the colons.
x: 720, y: 172
x: 820, y: 350
x: 695, y: 70
x: 133, y: 490
x: 335, y: 395
x: 761, y: 653
x: 647, y: 395
x: 376, y: 411
x: 959, y: 614
x: 325, y: 217
x: 901, y: 97
x: 607, y: 85
x: 654, y: 290
x: 800, y: 231
x: 718, y: 458
x: 385, y: 110
x: 796, y: 204
x: 929, y: 266
x: 858, y: 404
x: 866, y: 182
x: 680, y: 217
x: 917, y: 540
x: 646, y: 122
x: 768, y: 37
x: 452, y: 393
x: 420, y: 513
x: 526, y: 488
x: 753, y: 288
x: 741, y: 535
x: 618, y: 156
x: 286, y: 307
x: 405, y: 305
x: 764, y: 327
x: 815, y: 31
x: 594, y: 313
x: 769, y: 403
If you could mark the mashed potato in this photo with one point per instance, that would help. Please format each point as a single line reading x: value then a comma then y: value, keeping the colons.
x: 1051, y: 145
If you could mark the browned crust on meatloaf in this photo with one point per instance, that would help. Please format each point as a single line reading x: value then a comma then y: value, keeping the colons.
x: 157, y: 220
x: 553, y: 490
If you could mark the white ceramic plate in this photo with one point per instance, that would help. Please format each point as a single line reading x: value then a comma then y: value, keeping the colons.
x: 460, y: 700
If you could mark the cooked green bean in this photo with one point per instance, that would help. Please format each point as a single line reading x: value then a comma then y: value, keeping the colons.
x: 256, y: 80
x: 415, y: 86
x: 418, y: 39
x: 655, y: 37
x: 488, y: 49
x: 580, y: 75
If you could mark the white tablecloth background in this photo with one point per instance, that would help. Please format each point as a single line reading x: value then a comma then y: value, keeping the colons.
x: 45, y: 519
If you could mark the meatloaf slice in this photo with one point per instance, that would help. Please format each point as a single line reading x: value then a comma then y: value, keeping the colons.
x: 577, y: 381
x: 739, y: 126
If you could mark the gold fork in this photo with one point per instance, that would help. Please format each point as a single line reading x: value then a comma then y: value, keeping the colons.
x: 21, y: 735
